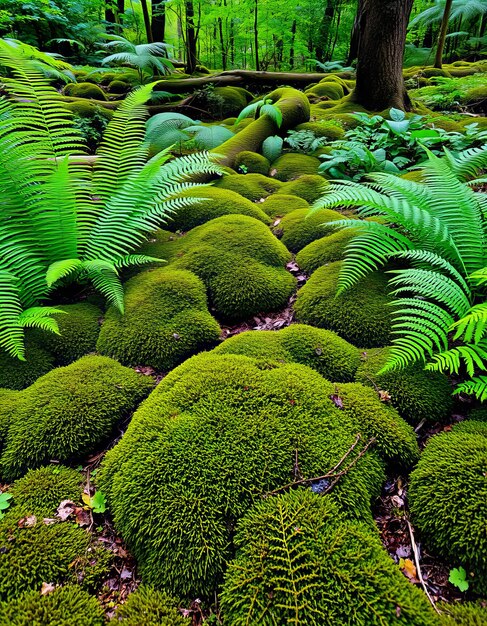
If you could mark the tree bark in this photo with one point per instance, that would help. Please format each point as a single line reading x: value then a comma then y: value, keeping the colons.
x: 256, y: 35
x: 158, y: 20
x: 147, y: 24
x: 382, y: 38
x: 191, y: 59
x: 443, y: 32
x: 291, y: 49
x: 110, y: 16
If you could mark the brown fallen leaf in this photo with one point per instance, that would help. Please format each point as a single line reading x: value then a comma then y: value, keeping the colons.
x: 384, y: 396
x: 47, y: 588
x: 82, y: 516
x: 27, y: 522
x: 65, y: 509
x: 337, y: 400
x: 409, y: 569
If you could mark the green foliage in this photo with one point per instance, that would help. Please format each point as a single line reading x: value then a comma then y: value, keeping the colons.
x: 299, y: 228
x: 447, y: 497
x: 148, y: 59
x: 69, y: 412
x: 167, y: 129
x: 304, y: 140
x: 5, y: 502
x: 262, y: 107
x: 323, y: 130
x: 324, y: 250
x: 360, y: 315
x: 166, y: 320
x: 58, y: 608
x: 209, y: 137
x: 462, y: 614
x: 278, y: 205
x: 150, y: 607
x: 249, y: 162
x: 15, y: 374
x: 254, y: 187
x: 449, y: 93
x: 417, y: 394
x: 216, y: 434
x: 299, y: 562
x: 105, y: 211
x: 272, y: 147
x: 322, y: 350
x: 458, y: 577
x: 290, y: 166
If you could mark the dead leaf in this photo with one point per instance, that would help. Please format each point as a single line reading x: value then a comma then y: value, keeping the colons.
x: 27, y: 522
x: 47, y: 588
x: 408, y: 568
x: 337, y: 400
x: 82, y: 517
x: 66, y: 509
x: 397, y: 501
x: 384, y: 396
x: 49, y: 520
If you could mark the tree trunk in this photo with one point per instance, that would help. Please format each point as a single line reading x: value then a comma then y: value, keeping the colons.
x: 158, y: 20
x: 355, y: 36
x: 145, y: 13
x: 256, y: 35
x: 382, y: 38
x: 110, y: 16
x: 291, y: 49
x: 443, y: 32
x: 191, y: 60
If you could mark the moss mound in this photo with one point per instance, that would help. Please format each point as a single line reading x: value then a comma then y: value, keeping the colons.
x: 118, y: 87
x: 309, y: 187
x: 299, y: 563
x: 86, y: 108
x: 291, y: 165
x: 65, y: 606
x: 322, y: 350
x: 328, y: 130
x: 301, y: 227
x: 281, y: 204
x: 40, y: 491
x: 216, y: 434
x: 151, y: 608
x: 166, y: 320
x: 69, y: 412
x: 239, y: 260
x: 330, y: 89
x: 79, y: 328
x: 447, y: 496
x: 233, y: 99
x: 16, y: 374
x: 416, y: 393
x: 325, y: 250
x: 84, y: 90
x: 8, y: 401
x: 216, y: 202
x: 254, y: 187
x: 361, y: 315
x: 252, y: 163
x: 464, y: 614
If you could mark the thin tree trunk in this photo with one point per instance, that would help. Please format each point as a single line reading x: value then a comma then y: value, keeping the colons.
x: 191, y: 60
x: 110, y: 16
x: 355, y: 36
x: 291, y: 49
x: 146, y: 15
x: 158, y: 20
x: 443, y: 32
x: 382, y: 38
x: 256, y: 35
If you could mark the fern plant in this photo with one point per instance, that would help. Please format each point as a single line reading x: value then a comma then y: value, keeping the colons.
x: 60, y: 218
x: 265, y: 106
x: 438, y: 228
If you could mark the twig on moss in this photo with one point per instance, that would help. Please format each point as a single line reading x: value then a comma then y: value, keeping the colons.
x: 418, y: 568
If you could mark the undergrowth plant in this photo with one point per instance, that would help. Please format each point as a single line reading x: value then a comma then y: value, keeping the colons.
x: 63, y: 220
x: 438, y: 229
x: 265, y: 106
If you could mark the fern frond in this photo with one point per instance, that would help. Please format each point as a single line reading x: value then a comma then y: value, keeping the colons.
x: 105, y: 279
x: 472, y: 356
x: 472, y: 326
x: 40, y: 317
x: 61, y: 269
x: 476, y: 387
x: 468, y: 163
x: 11, y: 332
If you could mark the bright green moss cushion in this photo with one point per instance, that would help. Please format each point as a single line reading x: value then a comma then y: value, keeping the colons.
x: 249, y: 162
x: 166, y: 320
x: 69, y: 412
x: 254, y: 187
x: 278, y: 205
x: 301, y: 227
x: 299, y: 562
x: 361, y: 315
x: 309, y: 187
x: 291, y: 165
x: 217, y: 434
x: 463, y: 614
x: 8, y: 401
x: 149, y: 607
x: 16, y: 374
x: 448, y: 495
x: 328, y: 130
x: 324, y: 250
x: 84, y: 90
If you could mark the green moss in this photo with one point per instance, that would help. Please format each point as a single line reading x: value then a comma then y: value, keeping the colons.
x: 463, y: 614
x: 84, y: 90
x: 278, y: 205
x: 329, y: 130
x: 118, y: 87
x: 361, y: 315
x: 447, y: 496
x: 79, y: 328
x: 301, y: 227
x: 477, y: 94
x: 309, y: 187
x: 299, y: 563
x: 253, y: 163
x: 69, y: 412
x: 254, y: 187
x: 216, y: 434
x: 216, y: 202
x: 322, y: 350
x: 331, y: 90
x: 430, y: 72
x: 151, y: 608
x: 165, y: 321
x: 234, y: 99
x: 8, y: 401
x: 40, y: 491
x: 239, y: 260
x: 64, y: 606
x: 85, y: 108
x: 16, y: 374
x: 324, y: 250
x: 291, y: 165
x: 416, y: 393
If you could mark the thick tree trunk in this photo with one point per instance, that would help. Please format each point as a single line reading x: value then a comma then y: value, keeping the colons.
x: 382, y: 38
x: 158, y: 20
x: 443, y: 32
x: 147, y: 24
x: 110, y: 16
x: 191, y: 59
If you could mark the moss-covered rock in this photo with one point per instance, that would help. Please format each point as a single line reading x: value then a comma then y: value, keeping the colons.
x: 87, y: 109
x: 322, y: 350
x: 79, y: 326
x: 291, y: 165
x: 216, y: 434
x: 252, y: 163
x: 299, y: 562
x: 361, y: 315
x: 331, y: 90
x: 301, y: 227
x: 416, y: 393
x: 118, y: 87
x: 254, y: 187
x: 324, y: 250
x: 309, y: 187
x: 16, y: 374
x: 233, y: 99
x: 65, y: 606
x: 278, y: 205
x: 68, y: 412
x: 84, y: 90
x: 166, y: 320
x: 150, y: 607
x: 475, y: 96
x: 463, y: 614
x: 447, y: 496
x: 239, y: 260
x: 8, y: 401
x: 326, y: 129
